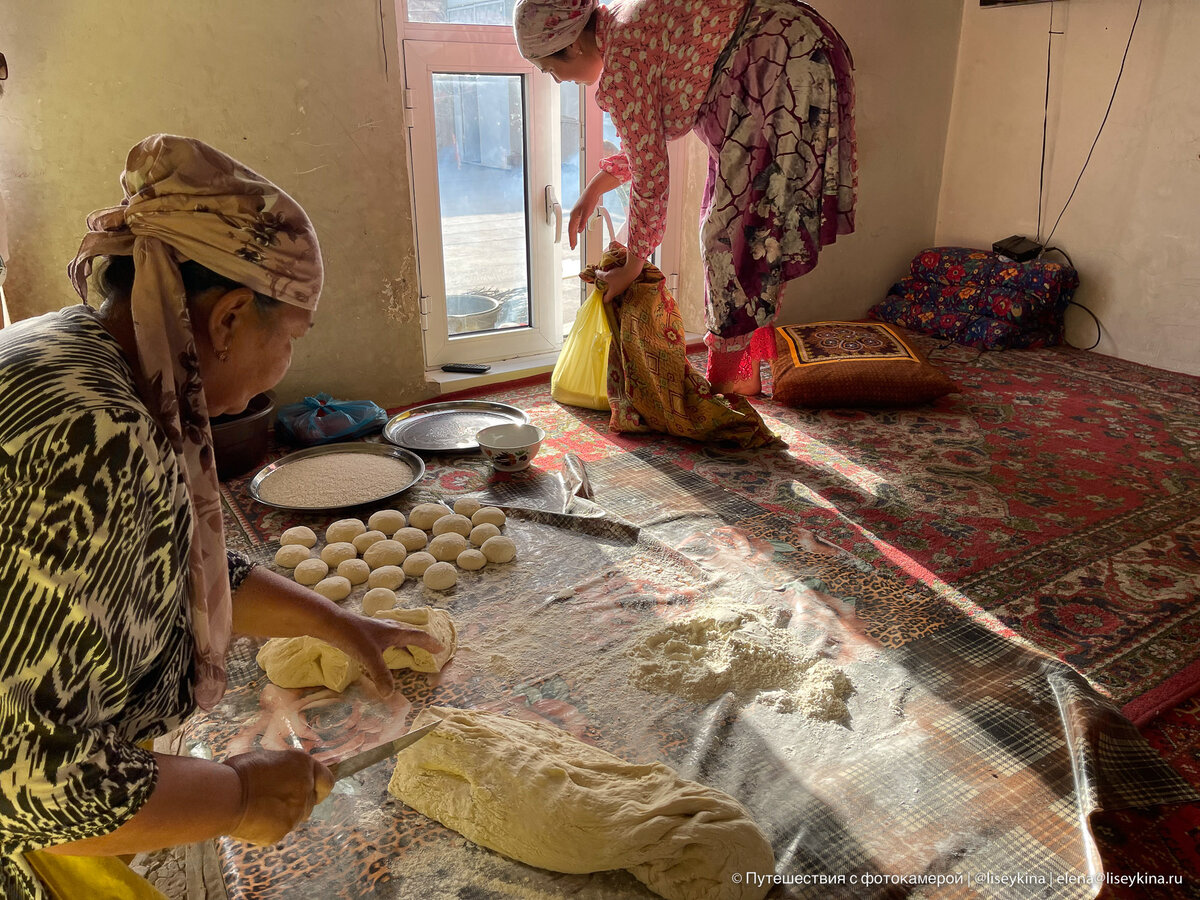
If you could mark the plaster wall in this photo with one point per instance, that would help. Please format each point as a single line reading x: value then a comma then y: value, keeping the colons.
x: 300, y: 92
x: 1132, y: 228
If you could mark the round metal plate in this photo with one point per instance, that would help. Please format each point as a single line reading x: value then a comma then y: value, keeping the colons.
x: 414, y: 462
x: 450, y: 425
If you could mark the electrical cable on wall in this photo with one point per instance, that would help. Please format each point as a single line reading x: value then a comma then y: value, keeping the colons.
x: 1104, y: 121
x: 1046, y: 248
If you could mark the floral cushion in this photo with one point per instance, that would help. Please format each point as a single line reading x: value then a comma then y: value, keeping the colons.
x: 852, y: 364
x: 980, y: 299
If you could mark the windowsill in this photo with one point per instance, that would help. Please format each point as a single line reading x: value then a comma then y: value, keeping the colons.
x: 514, y: 369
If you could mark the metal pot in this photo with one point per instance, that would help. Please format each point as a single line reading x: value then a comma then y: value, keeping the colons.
x: 471, y: 312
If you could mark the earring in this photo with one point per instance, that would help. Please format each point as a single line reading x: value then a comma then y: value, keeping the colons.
x: 223, y: 355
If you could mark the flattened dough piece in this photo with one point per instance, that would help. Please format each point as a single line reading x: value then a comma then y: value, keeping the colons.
x: 306, y: 662
x: 432, y: 621
x: 536, y: 794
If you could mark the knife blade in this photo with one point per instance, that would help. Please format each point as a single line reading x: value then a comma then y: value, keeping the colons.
x: 360, y: 761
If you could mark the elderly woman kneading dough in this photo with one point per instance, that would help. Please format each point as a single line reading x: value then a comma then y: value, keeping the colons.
x: 117, y: 594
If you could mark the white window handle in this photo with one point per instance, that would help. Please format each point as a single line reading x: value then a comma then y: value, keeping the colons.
x: 602, y: 213
x: 554, y: 212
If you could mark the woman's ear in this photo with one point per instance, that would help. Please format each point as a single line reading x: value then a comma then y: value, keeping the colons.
x: 228, y: 313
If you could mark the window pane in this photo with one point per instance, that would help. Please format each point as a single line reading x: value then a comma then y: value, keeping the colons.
x: 480, y: 128
x: 462, y: 12
x: 571, y: 293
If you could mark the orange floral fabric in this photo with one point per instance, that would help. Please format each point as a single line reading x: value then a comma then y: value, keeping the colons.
x: 651, y: 385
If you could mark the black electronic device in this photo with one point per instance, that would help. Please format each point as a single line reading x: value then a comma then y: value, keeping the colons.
x: 467, y: 368
x: 1018, y: 248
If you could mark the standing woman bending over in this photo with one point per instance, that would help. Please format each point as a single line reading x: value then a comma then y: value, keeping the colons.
x: 768, y: 87
x: 117, y: 596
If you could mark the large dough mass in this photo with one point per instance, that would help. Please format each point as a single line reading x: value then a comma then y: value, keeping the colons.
x: 535, y: 793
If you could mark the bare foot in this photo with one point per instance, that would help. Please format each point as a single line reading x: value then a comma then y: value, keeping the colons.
x: 747, y: 387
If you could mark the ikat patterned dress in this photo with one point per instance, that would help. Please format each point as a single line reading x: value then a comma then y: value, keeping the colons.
x: 96, y: 652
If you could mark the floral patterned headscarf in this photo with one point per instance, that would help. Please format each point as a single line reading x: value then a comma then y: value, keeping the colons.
x: 543, y: 27
x: 185, y: 200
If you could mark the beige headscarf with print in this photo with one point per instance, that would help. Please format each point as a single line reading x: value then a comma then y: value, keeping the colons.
x: 185, y: 200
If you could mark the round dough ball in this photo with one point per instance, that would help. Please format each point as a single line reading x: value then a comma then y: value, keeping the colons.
x: 489, y: 515
x: 385, y: 553
x: 338, y: 552
x: 499, y: 549
x: 366, y: 539
x: 424, y: 515
x: 472, y: 560
x: 335, y: 587
x: 301, y: 534
x: 417, y: 563
x: 387, y: 520
x: 467, y: 506
x: 291, y: 555
x: 344, y: 530
x: 440, y: 576
x: 386, y: 577
x: 452, y: 523
x: 411, y: 538
x: 310, y: 571
x: 378, y: 598
x: 356, y: 571
x: 446, y: 547
x: 481, y: 533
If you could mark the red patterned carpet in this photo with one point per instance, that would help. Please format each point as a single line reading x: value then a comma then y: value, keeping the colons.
x: 1059, y: 492
x: 1055, y: 499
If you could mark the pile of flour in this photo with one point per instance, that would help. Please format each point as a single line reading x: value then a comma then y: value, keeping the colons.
x: 735, y: 648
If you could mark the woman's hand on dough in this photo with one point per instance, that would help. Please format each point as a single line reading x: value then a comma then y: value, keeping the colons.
x: 279, y: 790
x: 365, y: 639
x: 618, y: 280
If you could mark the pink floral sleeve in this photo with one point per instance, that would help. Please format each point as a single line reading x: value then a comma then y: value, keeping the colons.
x: 617, y: 166
x: 658, y: 60
x: 647, y: 167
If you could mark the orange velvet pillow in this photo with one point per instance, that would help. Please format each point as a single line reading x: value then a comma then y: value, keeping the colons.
x: 849, y: 364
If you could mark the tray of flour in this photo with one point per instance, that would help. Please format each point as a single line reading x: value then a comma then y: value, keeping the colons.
x: 337, y: 476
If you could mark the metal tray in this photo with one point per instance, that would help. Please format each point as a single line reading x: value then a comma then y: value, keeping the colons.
x: 414, y: 462
x: 450, y: 425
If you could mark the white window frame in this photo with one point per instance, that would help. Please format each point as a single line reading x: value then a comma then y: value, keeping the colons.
x: 544, y: 333
x: 495, y: 53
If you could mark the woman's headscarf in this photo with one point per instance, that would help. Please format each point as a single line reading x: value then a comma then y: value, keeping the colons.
x: 185, y: 200
x: 543, y: 27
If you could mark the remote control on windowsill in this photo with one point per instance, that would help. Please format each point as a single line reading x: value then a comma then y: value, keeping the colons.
x: 467, y: 368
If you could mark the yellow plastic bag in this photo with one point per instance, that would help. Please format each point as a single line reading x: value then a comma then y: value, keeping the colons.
x: 580, y: 376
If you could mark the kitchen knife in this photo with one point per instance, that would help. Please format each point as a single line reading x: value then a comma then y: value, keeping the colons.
x: 360, y: 761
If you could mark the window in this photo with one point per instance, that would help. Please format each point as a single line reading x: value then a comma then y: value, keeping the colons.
x: 499, y: 155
